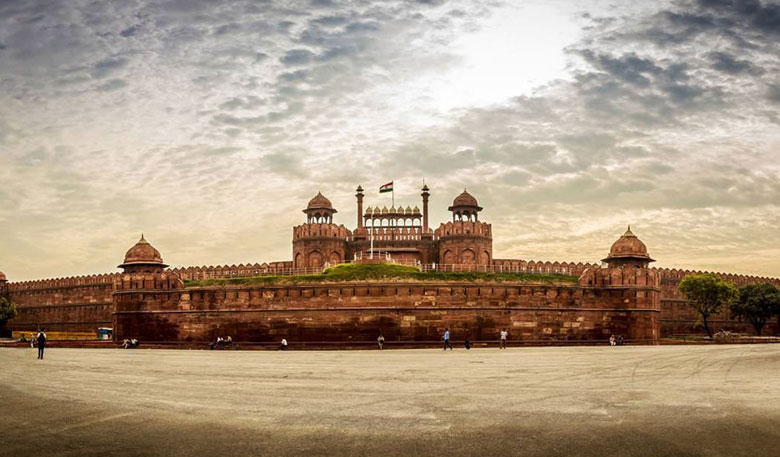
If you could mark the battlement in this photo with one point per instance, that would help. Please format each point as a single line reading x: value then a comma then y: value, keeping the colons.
x: 469, y: 228
x: 675, y: 274
x: 626, y: 276
x: 62, y: 283
x: 315, y: 230
x: 198, y: 273
x: 540, y: 266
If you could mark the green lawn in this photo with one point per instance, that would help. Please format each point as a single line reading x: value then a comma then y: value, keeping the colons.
x: 369, y: 272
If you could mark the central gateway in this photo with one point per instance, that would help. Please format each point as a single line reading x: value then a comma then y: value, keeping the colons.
x: 400, y: 234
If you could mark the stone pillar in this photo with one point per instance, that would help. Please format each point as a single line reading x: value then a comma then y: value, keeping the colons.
x: 425, y: 194
x: 359, y: 196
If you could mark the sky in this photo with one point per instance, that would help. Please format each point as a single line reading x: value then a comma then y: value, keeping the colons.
x: 208, y: 125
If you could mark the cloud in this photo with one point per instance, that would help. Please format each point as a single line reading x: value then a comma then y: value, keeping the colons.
x: 112, y: 85
x: 727, y: 63
x: 297, y: 57
x: 664, y: 114
x: 773, y: 93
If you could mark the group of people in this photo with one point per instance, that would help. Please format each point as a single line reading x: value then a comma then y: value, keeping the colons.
x: 616, y: 341
x: 502, y: 338
x: 132, y: 343
x: 503, y: 335
x: 222, y: 343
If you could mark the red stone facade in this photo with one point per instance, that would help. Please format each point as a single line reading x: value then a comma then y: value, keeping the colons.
x: 622, y: 295
x: 400, y: 234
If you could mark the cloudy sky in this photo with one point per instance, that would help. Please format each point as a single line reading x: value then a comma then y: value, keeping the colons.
x: 208, y: 125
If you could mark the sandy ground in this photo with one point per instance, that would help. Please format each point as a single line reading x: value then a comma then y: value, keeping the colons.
x: 572, y: 401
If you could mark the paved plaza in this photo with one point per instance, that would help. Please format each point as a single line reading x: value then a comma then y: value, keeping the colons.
x: 566, y: 401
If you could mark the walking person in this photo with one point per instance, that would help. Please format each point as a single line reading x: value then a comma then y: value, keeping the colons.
x: 467, y: 339
x: 380, y: 341
x: 502, y: 340
x: 447, y: 339
x: 41, y: 343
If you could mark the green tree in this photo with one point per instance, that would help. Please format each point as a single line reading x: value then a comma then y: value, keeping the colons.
x: 7, y: 310
x: 707, y: 294
x: 757, y: 304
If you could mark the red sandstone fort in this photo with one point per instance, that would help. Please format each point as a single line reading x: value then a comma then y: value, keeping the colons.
x: 622, y: 295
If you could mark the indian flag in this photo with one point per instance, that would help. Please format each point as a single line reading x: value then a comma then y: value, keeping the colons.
x: 386, y: 188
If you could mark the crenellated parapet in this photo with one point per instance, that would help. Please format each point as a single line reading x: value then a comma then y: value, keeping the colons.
x: 132, y: 282
x: 463, y: 228
x: 541, y: 266
x: 62, y: 283
x: 321, y: 230
x: 670, y: 275
x: 620, y: 277
x: 199, y: 273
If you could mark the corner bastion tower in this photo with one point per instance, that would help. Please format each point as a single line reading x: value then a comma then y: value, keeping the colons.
x: 465, y: 240
x: 401, y: 234
x: 628, y: 283
x: 145, y: 285
x: 319, y: 241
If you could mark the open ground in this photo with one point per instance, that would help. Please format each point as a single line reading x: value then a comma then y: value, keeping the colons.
x: 573, y: 401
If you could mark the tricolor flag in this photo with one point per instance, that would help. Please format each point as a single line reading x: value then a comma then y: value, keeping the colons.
x: 386, y: 188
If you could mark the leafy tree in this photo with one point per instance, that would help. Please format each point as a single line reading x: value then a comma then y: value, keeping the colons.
x: 707, y: 294
x: 7, y: 310
x: 757, y: 304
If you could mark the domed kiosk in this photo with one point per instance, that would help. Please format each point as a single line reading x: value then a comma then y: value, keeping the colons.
x: 143, y: 258
x: 628, y: 250
x: 319, y: 210
x: 465, y: 207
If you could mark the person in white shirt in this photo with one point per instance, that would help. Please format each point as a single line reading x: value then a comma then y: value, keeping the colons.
x: 283, y: 347
x: 447, y: 339
x: 502, y: 341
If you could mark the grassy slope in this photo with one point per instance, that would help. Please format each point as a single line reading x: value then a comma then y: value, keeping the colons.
x: 369, y: 272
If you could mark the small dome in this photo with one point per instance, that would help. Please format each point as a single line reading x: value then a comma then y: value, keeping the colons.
x: 142, y: 253
x: 319, y: 202
x: 465, y: 199
x: 3, y: 277
x: 628, y: 246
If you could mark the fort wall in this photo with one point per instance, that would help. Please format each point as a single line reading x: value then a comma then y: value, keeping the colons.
x: 75, y: 304
x: 84, y: 303
x: 403, y: 311
x: 677, y: 318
